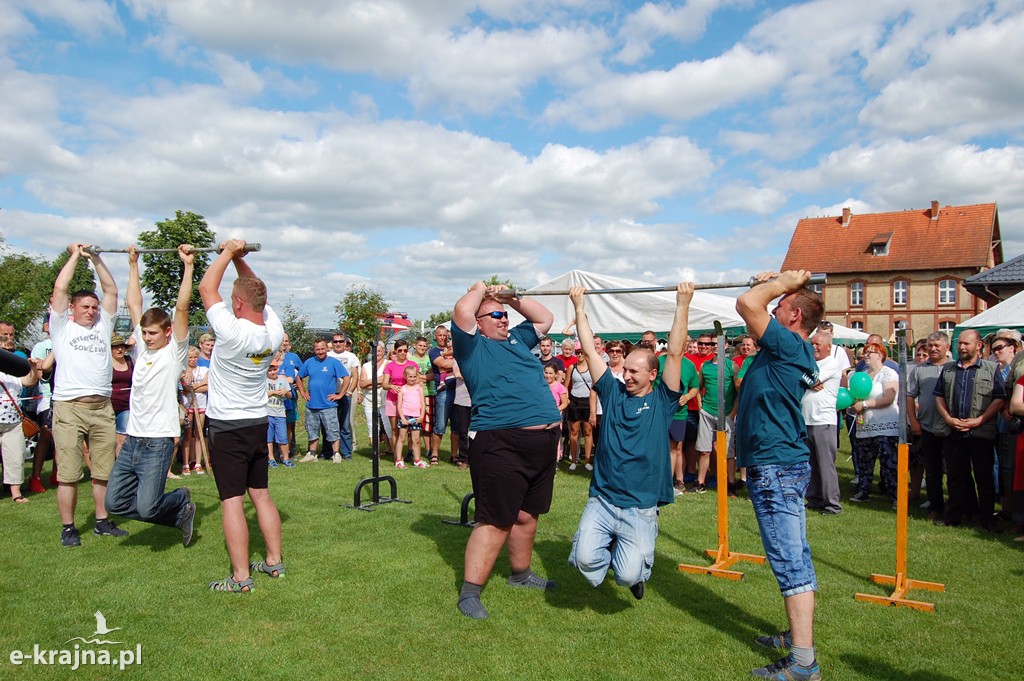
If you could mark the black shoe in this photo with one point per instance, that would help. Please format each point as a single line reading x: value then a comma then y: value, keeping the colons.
x: 637, y: 590
x: 947, y: 523
x: 860, y: 497
x: 700, y: 488
x: 188, y: 520
x: 69, y: 537
x: 107, y: 528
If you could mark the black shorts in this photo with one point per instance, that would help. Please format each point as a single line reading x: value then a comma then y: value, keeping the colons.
x: 239, y: 459
x: 677, y: 431
x: 579, y: 409
x: 42, y: 418
x: 692, y: 426
x: 512, y: 470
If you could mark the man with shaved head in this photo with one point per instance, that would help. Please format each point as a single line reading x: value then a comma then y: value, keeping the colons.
x: 968, y: 395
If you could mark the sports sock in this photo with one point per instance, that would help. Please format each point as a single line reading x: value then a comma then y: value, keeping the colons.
x: 802, y: 656
x: 528, y: 579
x: 470, y: 589
x: 469, y: 601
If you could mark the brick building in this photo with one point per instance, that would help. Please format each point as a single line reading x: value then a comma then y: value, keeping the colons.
x: 884, y: 268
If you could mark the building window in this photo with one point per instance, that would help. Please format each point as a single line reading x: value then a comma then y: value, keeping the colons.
x: 947, y: 328
x: 856, y: 294
x: 947, y: 292
x: 899, y: 292
x: 857, y: 326
x: 896, y: 324
x: 817, y: 288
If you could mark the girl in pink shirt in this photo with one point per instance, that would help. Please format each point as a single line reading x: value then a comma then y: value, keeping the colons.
x: 411, y: 407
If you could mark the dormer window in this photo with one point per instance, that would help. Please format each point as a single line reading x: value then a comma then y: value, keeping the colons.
x: 880, y: 244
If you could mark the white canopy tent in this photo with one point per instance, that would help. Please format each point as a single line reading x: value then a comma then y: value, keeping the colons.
x: 627, y: 315
x: 1008, y: 314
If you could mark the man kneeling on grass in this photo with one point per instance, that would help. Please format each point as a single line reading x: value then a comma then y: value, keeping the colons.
x: 632, y: 471
x: 137, y: 482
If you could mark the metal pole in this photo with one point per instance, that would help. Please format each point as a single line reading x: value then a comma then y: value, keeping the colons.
x: 815, y: 279
x: 248, y: 248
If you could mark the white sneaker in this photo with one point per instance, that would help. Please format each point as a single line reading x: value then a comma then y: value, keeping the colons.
x: 336, y: 458
x: 572, y: 466
x: 309, y: 457
x: 589, y: 467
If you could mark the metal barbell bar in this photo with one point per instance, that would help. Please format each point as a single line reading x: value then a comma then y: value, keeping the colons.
x: 248, y: 248
x: 818, y: 278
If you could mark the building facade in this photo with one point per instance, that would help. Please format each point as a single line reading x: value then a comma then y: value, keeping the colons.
x: 907, y: 266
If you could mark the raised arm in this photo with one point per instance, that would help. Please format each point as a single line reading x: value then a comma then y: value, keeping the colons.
x: 61, y: 295
x: 464, y: 313
x: 595, y: 362
x: 133, y: 296
x: 180, y: 325
x: 209, y: 287
x: 752, y: 305
x: 677, y: 336
x: 107, y: 283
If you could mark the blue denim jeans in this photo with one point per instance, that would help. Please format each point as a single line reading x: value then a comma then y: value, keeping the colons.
x: 345, y: 426
x: 777, y: 493
x: 136, y: 486
x: 442, y: 408
x: 620, y: 538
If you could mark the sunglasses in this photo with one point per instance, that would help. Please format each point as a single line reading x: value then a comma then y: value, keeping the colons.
x: 615, y: 352
x: 337, y: 340
x: 704, y: 344
x: 497, y: 314
x: 825, y: 325
x: 997, y: 348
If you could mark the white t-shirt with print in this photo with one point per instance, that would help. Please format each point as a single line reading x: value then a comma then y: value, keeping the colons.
x: 154, y: 400
x: 84, y: 366
x: 238, y: 367
x: 8, y: 413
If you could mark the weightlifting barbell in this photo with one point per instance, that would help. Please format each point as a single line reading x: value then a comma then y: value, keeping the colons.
x: 248, y: 248
x: 819, y: 278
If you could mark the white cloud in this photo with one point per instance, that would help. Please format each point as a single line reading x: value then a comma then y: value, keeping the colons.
x: 687, y: 91
x: 656, y: 20
x: 740, y: 197
x: 971, y: 82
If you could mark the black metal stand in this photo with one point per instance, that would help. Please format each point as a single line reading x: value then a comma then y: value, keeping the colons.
x: 377, y: 478
x: 463, y: 514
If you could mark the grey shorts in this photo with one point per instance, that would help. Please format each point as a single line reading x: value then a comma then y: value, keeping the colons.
x: 326, y: 417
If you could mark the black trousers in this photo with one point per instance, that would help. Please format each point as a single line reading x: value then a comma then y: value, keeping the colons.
x: 963, y: 457
x: 931, y: 452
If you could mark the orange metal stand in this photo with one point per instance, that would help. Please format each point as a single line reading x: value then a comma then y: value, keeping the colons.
x: 724, y: 558
x: 900, y: 581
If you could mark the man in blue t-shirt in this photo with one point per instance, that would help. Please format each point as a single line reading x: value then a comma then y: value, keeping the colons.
x: 632, y: 468
x: 772, y: 444
x: 324, y: 374
x: 512, y: 458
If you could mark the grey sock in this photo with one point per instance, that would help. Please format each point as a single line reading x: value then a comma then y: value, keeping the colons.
x: 802, y: 656
x: 469, y: 601
x: 526, y: 578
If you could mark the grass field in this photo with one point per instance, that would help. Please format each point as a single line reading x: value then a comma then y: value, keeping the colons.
x: 373, y: 594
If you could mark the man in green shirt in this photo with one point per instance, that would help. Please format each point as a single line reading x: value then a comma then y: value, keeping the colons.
x: 689, y: 385
x: 709, y: 419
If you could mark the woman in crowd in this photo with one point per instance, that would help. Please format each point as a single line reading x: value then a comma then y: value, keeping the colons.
x: 366, y: 385
x: 394, y: 379
x: 579, y: 383
x: 121, y: 386
x: 12, y: 437
x: 461, y: 410
x: 1004, y: 348
x: 877, y: 425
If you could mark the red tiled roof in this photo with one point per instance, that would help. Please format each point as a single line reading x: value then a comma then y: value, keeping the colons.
x: 962, y: 236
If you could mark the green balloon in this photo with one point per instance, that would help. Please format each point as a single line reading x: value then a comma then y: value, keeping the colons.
x: 860, y: 385
x: 844, y: 399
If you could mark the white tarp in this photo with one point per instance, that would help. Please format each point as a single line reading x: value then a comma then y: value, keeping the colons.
x: 1008, y: 314
x: 632, y: 313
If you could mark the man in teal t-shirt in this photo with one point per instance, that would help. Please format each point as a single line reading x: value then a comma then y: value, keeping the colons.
x: 632, y: 473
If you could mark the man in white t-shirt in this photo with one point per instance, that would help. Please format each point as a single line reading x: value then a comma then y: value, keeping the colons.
x: 347, y: 389
x: 248, y: 335
x: 819, y: 411
x: 80, y: 327
x: 136, y: 488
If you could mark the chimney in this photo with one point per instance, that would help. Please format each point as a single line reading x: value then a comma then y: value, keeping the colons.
x: 846, y: 217
x: 935, y: 210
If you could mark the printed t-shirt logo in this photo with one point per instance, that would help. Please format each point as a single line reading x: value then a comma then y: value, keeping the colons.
x: 258, y: 357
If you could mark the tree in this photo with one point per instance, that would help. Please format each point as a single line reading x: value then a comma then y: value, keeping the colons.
x: 162, y: 275
x: 495, y: 281
x: 359, y: 314
x: 432, y: 322
x: 296, y: 325
x: 23, y: 290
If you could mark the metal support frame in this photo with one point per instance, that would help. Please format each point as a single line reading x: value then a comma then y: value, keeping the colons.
x: 900, y: 581
x: 463, y: 518
x: 815, y: 279
x: 94, y: 250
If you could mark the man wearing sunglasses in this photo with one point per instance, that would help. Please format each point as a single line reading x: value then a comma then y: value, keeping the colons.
x: 512, y: 457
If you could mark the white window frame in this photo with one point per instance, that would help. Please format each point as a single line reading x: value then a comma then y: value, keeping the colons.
x: 947, y: 292
x: 856, y: 294
x: 900, y: 291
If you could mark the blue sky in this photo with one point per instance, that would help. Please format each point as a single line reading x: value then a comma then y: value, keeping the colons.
x: 419, y: 146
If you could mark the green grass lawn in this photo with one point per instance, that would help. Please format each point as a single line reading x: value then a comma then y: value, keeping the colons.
x: 373, y: 594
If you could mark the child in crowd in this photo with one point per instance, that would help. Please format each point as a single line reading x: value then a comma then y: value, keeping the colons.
x: 278, y: 390
x: 560, y: 394
x: 193, y: 398
x: 412, y: 405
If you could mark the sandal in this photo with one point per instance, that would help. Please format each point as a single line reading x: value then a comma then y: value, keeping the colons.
x: 420, y: 463
x: 19, y: 500
x: 434, y: 461
x: 399, y: 464
x: 274, y: 571
x: 231, y: 586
